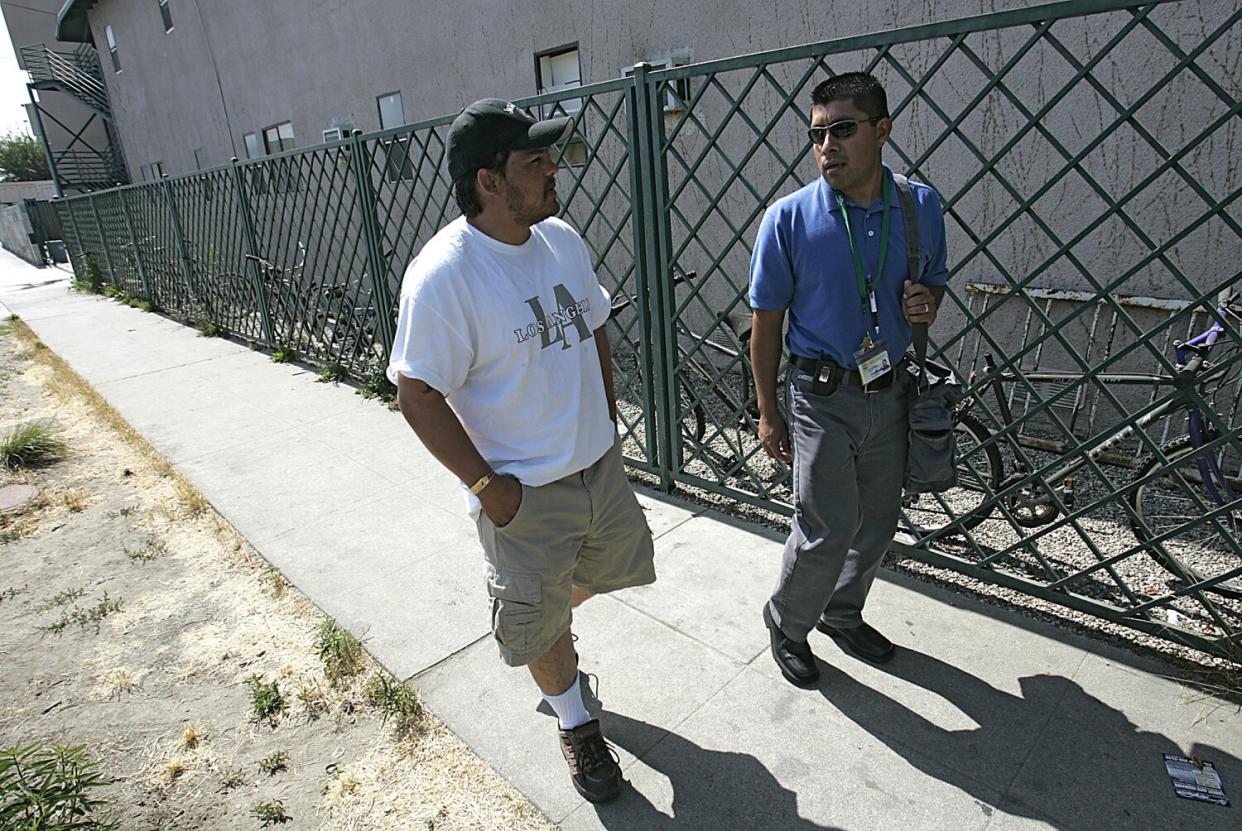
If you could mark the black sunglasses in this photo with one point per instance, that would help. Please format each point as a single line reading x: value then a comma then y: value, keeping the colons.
x: 842, y: 129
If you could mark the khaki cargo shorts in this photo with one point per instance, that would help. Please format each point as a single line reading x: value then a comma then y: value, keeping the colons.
x: 585, y: 529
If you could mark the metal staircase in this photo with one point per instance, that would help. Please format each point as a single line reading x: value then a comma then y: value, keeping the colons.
x: 75, y: 73
x: 78, y: 74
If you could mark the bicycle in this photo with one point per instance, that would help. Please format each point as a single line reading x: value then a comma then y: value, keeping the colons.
x: 352, y: 329
x: 1188, y: 478
x: 694, y: 379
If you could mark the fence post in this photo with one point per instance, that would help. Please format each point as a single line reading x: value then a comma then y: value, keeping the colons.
x: 183, y: 255
x: 103, y: 245
x: 648, y: 271
x: 251, y: 242
x: 133, y: 241
x: 65, y: 208
x: 377, y: 263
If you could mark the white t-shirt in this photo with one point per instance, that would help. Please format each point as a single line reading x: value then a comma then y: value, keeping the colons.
x: 506, y: 334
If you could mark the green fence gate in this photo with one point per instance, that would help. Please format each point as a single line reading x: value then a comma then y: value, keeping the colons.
x: 1084, y: 153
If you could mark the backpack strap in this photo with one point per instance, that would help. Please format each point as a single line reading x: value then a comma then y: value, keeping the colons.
x: 918, y: 331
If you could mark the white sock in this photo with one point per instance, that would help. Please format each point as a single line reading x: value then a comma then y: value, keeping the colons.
x: 570, y: 711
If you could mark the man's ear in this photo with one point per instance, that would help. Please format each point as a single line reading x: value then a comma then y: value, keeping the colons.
x: 488, y: 181
x: 883, y: 129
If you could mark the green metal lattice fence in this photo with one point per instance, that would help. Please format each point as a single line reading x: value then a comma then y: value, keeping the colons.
x: 1084, y: 155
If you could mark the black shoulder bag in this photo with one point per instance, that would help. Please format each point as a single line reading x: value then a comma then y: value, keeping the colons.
x: 931, y: 461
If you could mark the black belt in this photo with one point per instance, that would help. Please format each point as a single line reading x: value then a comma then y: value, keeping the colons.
x: 838, y: 374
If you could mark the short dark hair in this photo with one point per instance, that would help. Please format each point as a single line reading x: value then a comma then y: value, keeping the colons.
x: 466, y: 189
x: 860, y: 87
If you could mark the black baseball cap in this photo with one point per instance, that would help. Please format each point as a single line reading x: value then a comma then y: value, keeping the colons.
x: 491, y: 125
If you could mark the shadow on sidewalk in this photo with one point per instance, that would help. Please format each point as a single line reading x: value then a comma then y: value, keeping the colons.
x: 711, y: 788
x: 1083, y: 763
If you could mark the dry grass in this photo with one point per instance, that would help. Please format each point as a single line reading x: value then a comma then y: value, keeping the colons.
x: 116, y: 683
x: 67, y: 385
x: 75, y: 501
x: 431, y: 781
x: 190, y: 738
x: 259, y: 624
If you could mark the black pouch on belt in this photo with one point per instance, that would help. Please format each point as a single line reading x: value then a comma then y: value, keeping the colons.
x: 827, y: 378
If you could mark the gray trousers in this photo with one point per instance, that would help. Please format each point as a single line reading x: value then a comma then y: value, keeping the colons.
x: 849, y: 458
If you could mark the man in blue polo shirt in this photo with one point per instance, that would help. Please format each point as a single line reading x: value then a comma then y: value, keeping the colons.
x: 832, y: 257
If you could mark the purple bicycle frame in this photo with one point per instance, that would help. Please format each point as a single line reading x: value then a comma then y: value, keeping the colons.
x: 1209, y: 467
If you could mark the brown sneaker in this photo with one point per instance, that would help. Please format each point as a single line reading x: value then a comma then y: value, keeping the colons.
x: 593, y: 764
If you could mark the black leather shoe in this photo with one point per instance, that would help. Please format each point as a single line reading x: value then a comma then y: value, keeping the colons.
x: 795, y: 659
x: 863, y: 642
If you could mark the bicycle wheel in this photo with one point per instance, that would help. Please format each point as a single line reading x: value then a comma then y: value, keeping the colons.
x: 693, y: 419
x: 1175, y: 496
x: 746, y: 386
x: 979, y: 474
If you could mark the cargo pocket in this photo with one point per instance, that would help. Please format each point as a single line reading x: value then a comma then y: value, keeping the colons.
x: 517, y: 608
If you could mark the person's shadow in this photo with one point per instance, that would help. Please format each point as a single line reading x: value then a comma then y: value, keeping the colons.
x: 711, y: 788
x: 1090, y: 767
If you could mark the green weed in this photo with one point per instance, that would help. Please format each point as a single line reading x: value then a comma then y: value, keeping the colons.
x: 210, y: 329
x: 340, y: 652
x: 275, y: 581
x: 265, y: 700
x: 150, y: 550
x: 31, y: 446
x: 375, y: 383
x: 270, y: 813
x: 332, y: 373
x: 83, y: 617
x: 50, y: 790
x: 395, y: 701
x: 12, y: 592
x: 91, y: 280
x: 61, y: 599
x: 232, y: 778
x: 271, y: 765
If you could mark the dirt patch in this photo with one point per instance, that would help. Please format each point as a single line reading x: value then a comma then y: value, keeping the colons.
x: 136, y: 622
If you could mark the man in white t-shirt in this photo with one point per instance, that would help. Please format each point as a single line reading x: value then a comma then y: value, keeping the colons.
x: 503, y: 369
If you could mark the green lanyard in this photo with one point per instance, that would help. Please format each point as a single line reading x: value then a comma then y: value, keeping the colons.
x: 866, y: 282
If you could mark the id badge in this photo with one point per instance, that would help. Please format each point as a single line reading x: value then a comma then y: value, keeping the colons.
x: 873, y: 362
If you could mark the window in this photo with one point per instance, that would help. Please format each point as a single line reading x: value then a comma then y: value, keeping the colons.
x: 116, y: 58
x: 253, y: 151
x: 397, y: 148
x: 278, y: 137
x: 283, y: 172
x: 556, y: 70
x: 198, y: 159
x: 332, y: 134
x: 391, y: 110
x: 676, y: 93
x: 166, y: 13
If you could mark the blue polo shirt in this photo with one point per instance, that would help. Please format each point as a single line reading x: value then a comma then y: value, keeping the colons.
x: 802, y: 263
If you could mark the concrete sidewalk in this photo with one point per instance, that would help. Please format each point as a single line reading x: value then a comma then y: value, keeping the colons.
x: 986, y: 719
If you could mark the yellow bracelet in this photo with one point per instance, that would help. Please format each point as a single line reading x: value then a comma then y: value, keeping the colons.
x: 483, y: 482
